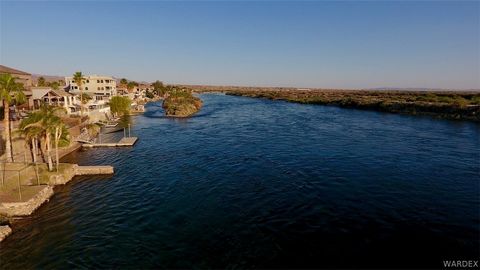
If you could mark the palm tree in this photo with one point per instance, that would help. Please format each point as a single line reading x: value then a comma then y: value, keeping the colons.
x: 60, y: 133
x: 9, y: 91
x: 41, y: 81
x: 78, y: 79
x: 32, y: 133
x: 50, y: 124
x: 130, y: 86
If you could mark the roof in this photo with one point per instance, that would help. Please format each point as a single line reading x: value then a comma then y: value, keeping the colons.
x: 90, y: 77
x: 40, y: 92
x: 5, y: 69
x: 61, y: 93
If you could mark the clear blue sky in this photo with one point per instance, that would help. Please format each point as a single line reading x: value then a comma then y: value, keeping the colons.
x: 343, y: 44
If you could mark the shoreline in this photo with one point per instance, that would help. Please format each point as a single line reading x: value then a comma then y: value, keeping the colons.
x: 443, y: 105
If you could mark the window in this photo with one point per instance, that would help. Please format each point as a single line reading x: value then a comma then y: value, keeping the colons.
x: 98, y: 88
x: 102, y: 81
x: 86, y: 88
x: 98, y: 81
x: 88, y: 81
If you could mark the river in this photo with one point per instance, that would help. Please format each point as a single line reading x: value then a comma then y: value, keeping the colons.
x: 253, y: 183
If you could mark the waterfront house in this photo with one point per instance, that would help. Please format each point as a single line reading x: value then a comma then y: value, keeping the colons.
x: 122, y: 90
x: 53, y: 97
x: 97, y: 87
x: 139, y: 92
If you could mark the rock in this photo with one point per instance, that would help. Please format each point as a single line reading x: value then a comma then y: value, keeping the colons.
x: 4, y: 232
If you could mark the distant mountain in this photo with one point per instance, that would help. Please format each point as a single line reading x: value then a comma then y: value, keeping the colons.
x: 48, y: 78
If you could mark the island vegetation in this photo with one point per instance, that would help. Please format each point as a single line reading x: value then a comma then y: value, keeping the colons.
x: 179, y: 101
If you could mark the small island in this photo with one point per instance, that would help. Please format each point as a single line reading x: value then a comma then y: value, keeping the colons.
x: 180, y: 102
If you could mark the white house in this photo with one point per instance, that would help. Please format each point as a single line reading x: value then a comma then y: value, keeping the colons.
x: 97, y: 87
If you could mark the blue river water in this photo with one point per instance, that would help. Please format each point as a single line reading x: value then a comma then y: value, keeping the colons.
x: 253, y: 183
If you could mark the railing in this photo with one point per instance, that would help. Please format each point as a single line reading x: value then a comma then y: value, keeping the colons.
x: 11, y: 171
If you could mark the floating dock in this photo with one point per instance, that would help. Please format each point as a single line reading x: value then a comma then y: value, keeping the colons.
x: 125, y: 141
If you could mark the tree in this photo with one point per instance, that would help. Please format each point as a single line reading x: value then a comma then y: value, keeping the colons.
x: 149, y: 94
x: 78, y: 79
x: 130, y: 86
x: 123, y: 81
x: 158, y: 88
x: 85, y: 98
x: 47, y: 124
x: 41, y: 81
x: 120, y: 105
x: 60, y: 130
x: 9, y: 91
x: 54, y: 85
x: 32, y: 133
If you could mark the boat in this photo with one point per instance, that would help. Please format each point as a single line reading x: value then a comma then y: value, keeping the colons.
x: 112, y: 129
x: 111, y: 124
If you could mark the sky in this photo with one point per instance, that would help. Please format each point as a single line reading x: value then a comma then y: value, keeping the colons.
x: 325, y: 44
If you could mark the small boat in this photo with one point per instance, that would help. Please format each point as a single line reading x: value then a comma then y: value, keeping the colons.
x: 111, y: 124
x: 113, y: 129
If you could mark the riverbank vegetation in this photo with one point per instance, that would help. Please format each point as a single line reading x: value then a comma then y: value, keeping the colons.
x: 443, y: 104
x: 180, y: 102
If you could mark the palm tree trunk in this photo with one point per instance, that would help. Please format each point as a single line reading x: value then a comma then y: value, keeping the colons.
x: 57, y: 136
x: 81, y: 99
x: 49, y: 157
x: 34, y: 150
x: 6, y: 124
x: 42, y: 151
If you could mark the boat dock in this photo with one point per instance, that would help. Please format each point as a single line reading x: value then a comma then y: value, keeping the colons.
x: 93, y: 170
x: 125, y: 141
